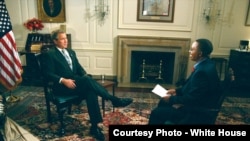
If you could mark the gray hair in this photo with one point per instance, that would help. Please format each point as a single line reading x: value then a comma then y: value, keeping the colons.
x: 55, y: 33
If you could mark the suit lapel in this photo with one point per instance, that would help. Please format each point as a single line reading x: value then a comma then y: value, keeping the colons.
x: 59, y: 55
x: 61, y: 58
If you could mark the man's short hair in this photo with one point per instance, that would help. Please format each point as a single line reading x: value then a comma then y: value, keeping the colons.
x: 55, y: 33
x: 205, y: 46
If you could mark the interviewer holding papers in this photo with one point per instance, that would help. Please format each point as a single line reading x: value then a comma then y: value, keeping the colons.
x: 201, y: 90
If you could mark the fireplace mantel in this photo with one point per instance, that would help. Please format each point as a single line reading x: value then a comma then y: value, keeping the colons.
x: 126, y: 44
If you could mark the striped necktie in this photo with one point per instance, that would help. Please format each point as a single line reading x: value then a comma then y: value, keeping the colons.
x: 66, y: 56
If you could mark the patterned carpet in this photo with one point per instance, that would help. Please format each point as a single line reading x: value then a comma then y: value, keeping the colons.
x: 30, y: 113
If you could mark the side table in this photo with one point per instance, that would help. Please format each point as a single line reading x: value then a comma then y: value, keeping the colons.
x: 107, y: 84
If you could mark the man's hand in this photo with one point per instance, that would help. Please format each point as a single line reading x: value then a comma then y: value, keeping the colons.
x: 69, y: 83
x: 166, y: 98
x: 171, y: 92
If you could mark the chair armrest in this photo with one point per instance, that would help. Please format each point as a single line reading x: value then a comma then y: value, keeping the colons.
x: 48, y: 89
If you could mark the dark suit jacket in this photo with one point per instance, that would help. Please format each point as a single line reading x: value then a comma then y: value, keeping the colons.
x: 55, y: 67
x: 201, y: 90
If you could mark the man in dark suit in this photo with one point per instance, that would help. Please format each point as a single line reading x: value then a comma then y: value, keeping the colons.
x: 201, y: 90
x: 71, y: 78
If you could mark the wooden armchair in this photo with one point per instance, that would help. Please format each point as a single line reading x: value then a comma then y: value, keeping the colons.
x: 62, y: 103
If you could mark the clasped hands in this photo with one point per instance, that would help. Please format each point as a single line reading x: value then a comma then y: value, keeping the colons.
x: 69, y: 83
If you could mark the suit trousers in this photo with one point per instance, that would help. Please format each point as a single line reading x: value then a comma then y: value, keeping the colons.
x: 89, y: 89
x: 165, y: 112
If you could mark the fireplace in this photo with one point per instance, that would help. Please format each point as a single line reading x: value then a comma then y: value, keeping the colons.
x: 151, y: 60
x: 152, y: 67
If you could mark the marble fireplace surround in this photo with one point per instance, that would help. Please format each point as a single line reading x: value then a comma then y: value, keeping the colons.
x: 127, y: 44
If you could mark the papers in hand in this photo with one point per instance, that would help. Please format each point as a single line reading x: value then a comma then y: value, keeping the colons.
x: 159, y: 90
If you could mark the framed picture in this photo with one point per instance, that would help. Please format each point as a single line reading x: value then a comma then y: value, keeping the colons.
x: 248, y: 15
x: 155, y: 10
x: 51, y: 11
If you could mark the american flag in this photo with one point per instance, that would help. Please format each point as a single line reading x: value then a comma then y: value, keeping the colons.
x: 10, y: 63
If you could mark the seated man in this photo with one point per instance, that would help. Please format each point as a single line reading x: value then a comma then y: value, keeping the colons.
x: 200, y: 91
x: 69, y: 77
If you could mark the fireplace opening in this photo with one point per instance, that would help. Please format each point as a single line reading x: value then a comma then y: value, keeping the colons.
x: 152, y: 67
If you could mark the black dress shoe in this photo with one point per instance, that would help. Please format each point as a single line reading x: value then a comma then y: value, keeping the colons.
x: 97, y: 133
x: 122, y: 102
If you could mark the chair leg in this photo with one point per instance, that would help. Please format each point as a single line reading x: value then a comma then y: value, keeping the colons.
x: 48, y: 111
x: 61, y: 112
x: 113, y: 91
x: 69, y: 109
x: 103, y: 106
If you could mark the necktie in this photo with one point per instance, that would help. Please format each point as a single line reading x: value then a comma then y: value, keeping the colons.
x: 66, y: 56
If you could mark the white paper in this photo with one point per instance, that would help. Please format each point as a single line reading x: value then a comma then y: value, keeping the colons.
x: 159, y: 90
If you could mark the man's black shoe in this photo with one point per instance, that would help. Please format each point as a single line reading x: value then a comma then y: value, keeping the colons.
x: 97, y: 133
x: 122, y: 102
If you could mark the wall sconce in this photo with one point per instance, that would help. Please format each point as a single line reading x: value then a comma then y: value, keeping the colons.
x: 212, y: 11
x: 101, y: 10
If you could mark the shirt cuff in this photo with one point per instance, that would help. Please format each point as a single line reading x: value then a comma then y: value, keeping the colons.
x: 60, y: 81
